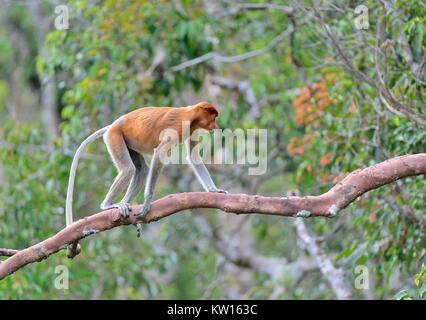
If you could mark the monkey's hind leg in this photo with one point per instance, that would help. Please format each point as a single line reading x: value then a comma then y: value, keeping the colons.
x: 121, y: 158
x: 137, y: 182
x: 139, y: 177
x: 154, y: 173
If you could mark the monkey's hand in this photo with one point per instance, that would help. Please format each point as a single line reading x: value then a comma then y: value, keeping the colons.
x: 219, y: 191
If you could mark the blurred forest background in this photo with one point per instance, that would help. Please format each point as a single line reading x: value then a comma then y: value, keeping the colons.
x: 334, y: 97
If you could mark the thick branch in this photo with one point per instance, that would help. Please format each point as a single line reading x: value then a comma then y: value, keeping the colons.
x: 325, y: 205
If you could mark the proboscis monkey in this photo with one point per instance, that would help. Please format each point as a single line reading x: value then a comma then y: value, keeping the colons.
x: 131, y: 137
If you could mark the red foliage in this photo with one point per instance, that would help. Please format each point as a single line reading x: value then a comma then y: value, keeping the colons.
x: 310, y: 104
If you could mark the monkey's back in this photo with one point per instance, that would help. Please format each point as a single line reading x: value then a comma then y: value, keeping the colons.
x: 142, y: 127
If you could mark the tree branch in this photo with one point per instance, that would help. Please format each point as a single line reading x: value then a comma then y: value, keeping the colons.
x: 245, y: 90
x: 236, y: 8
x: 274, y: 267
x: 325, y: 205
x: 333, y: 275
x: 217, y: 57
x: 382, y: 90
x: 7, y: 252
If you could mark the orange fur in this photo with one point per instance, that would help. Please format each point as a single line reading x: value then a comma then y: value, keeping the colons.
x: 141, y: 128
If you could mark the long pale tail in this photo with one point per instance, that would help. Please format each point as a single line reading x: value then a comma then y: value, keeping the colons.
x: 68, y: 207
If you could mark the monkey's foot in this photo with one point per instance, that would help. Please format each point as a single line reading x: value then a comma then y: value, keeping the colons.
x: 138, y: 226
x: 123, y: 208
x: 73, y: 250
x: 143, y: 211
x: 219, y: 191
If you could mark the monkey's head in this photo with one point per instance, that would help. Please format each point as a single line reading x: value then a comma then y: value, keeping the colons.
x: 205, y: 115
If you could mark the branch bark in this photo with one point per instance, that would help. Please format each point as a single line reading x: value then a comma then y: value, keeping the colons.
x: 325, y: 205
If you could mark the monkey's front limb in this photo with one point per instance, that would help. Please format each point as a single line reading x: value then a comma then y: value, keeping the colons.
x: 205, y: 179
x: 200, y: 170
x: 219, y: 191
x: 154, y: 173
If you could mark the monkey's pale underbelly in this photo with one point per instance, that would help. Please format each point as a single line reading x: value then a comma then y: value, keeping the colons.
x: 135, y: 146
